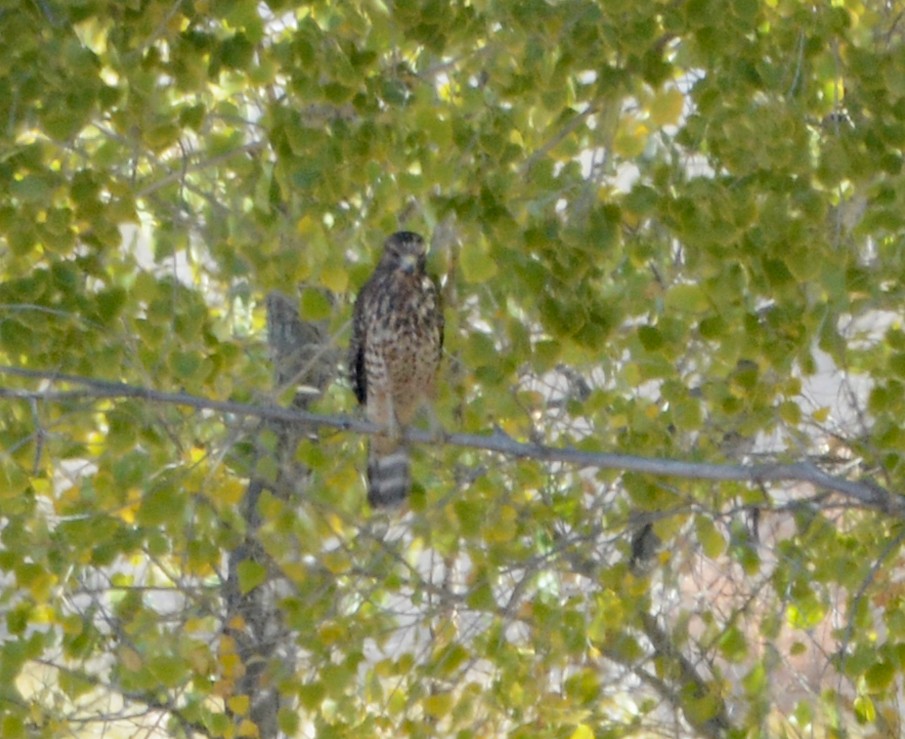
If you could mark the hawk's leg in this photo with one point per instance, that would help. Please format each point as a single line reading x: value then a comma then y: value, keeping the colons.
x: 384, y: 415
x: 434, y: 428
x: 393, y: 429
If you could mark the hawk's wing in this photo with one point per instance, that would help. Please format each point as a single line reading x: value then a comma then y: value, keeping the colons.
x: 356, y: 360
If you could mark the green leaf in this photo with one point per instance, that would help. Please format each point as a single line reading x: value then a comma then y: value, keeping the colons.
x: 251, y: 575
x: 651, y: 339
x: 110, y: 303
x: 583, y: 687
x: 880, y: 676
x: 161, y: 505
x: 712, y: 541
x: 450, y: 658
x: 477, y: 266
x: 733, y: 645
x: 865, y: 710
x: 689, y: 298
x: 169, y: 671
x: 480, y: 596
x: 75, y: 685
x: 185, y: 364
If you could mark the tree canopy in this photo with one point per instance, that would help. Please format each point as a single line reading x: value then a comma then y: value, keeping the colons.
x: 669, y: 237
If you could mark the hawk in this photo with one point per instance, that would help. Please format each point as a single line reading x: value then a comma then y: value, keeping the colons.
x: 397, y: 339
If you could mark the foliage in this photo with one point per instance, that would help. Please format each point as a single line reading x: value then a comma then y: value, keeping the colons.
x: 670, y: 229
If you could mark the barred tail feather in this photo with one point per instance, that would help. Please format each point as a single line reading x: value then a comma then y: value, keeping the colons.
x: 389, y: 477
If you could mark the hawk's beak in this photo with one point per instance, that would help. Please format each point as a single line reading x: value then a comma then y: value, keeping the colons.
x: 407, y: 263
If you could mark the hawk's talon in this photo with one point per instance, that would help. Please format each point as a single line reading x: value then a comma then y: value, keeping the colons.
x: 434, y: 428
x: 394, y: 432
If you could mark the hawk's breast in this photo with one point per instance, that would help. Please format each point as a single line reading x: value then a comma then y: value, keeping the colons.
x: 404, y: 334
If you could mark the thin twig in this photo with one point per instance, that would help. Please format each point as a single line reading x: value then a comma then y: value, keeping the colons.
x: 569, y: 127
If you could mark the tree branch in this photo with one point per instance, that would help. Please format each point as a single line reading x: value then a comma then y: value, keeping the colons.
x: 866, y: 492
x: 693, y: 688
x: 569, y: 127
x: 153, y: 701
x: 213, y: 161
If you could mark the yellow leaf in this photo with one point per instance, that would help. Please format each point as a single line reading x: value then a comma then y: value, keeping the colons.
x: 821, y: 414
x: 238, y: 704
x: 582, y: 731
x: 231, y: 667
x: 631, y: 139
x: 128, y: 511
x: 516, y: 694
x: 42, y: 487
x: 40, y: 585
x: 790, y: 412
x: 619, y: 420
x: 331, y: 633
x: 307, y: 225
x: 336, y: 561
x: 666, y: 107
x: 43, y: 614
x: 335, y: 277
x: 503, y: 527
x: 248, y: 728
x: 438, y: 705
x: 230, y: 492
x: 397, y: 703
x: 296, y: 572
x: 227, y: 643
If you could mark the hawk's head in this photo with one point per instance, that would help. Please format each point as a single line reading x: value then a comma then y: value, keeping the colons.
x: 404, y: 250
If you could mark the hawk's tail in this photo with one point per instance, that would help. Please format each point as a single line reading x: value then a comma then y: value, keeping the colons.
x: 389, y: 477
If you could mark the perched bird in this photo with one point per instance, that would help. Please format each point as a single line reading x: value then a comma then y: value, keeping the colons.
x: 397, y: 340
